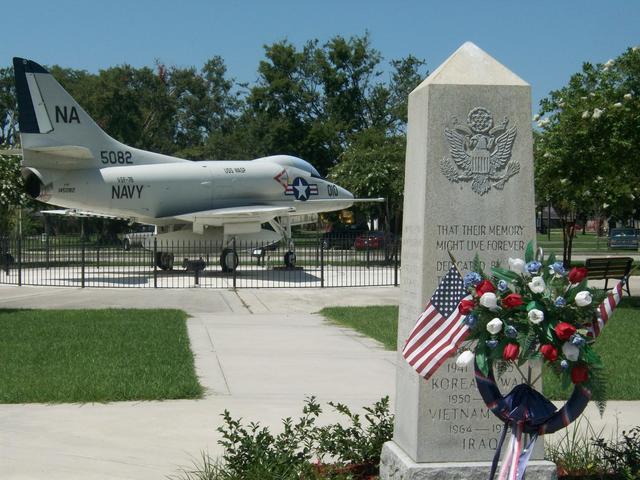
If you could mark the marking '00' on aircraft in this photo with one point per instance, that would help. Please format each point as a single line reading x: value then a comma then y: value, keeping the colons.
x: 70, y: 162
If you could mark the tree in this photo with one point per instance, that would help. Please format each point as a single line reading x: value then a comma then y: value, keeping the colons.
x: 373, y: 166
x: 588, y: 150
x: 12, y: 195
x: 8, y: 108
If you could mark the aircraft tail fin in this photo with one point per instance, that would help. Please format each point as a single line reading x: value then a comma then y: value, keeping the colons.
x: 56, y: 132
x: 49, y: 116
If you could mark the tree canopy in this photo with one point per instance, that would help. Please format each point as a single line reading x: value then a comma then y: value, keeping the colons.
x: 327, y: 103
x: 587, y: 151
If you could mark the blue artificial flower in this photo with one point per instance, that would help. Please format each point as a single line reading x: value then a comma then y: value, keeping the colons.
x: 502, y: 285
x: 578, y: 340
x: 557, y: 268
x: 560, y: 302
x: 472, y: 278
x: 511, y: 331
x: 470, y: 320
x: 534, y: 267
x: 493, y: 343
x: 564, y: 364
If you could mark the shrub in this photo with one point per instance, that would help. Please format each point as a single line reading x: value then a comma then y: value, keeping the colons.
x: 252, y: 452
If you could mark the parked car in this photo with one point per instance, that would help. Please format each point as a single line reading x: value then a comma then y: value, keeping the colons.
x: 372, y: 240
x: 137, y: 236
x: 342, y: 236
x: 623, y: 238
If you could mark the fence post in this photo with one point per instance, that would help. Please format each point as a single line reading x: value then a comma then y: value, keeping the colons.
x: 235, y: 270
x: 6, y: 246
x: 19, y: 260
x: 395, y: 263
x: 155, y: 263
x: 47, y: 247
x: 83, y: 258
x: 321, y: 265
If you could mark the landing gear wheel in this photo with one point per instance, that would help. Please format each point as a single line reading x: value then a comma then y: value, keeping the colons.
x: 164, y: 260
x: 290, y: 259
x: 228, y: 260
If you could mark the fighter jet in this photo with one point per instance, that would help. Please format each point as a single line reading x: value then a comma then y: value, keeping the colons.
x: 70, y: 162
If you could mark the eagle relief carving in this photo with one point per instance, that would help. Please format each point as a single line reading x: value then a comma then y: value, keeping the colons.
x: 480, y: 152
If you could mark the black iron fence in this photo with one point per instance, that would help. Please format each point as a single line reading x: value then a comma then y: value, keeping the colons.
x: 79, y: 262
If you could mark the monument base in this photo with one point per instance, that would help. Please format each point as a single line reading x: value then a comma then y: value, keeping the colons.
x: 396, y: 465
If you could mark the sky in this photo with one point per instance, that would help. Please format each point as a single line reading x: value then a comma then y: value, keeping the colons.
x: 544, y: 42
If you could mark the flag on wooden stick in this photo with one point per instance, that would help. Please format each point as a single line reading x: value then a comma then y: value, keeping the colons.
x: 440, y: 329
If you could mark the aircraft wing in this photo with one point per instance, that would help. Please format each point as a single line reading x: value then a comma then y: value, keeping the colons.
x: 252, y: 213
x: 71, y: 212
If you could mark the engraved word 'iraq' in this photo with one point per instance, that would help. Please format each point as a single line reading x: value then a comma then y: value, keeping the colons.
x: 480, y: 152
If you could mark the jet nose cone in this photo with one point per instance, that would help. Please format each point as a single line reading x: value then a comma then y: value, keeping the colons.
x: 344, y: 193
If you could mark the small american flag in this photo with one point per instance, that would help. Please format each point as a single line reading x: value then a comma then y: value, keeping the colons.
x: 439, y: 331
x: 606, y: 308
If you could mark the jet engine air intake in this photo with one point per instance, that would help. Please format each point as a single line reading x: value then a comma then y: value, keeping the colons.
x: 33, y: 184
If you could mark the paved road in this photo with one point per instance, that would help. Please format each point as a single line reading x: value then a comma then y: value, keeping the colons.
x: 258, y: 352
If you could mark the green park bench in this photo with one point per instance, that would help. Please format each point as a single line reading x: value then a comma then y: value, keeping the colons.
x: 606, y: 268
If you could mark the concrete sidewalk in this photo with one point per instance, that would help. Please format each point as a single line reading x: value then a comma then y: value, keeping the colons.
x: 259, y: 353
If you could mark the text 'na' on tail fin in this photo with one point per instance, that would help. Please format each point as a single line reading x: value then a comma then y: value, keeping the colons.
x: 48, y: 115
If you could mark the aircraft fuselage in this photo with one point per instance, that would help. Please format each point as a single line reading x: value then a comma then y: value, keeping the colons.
x: 149, y: 193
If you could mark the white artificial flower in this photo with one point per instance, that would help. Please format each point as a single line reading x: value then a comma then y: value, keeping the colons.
x: 494, y: 326
x: 592, y: 94
x: 583, y: 298
x: 537, y: 285
x: 546, y: 155
x: 627, y: 96
x: 517, y: 265
x: 489, y: 300
x: 617, y: 104
x: 563, y: 181
x: 536, y: 118
x: 597, y: 113
x: 561, y: 104
x: 543, y: 122
x: 570, y: 351
x: 586, y: 114
x: 583, y: 98
x: 609, y: 63
x: 536, y: 316
x: 464, y: 359
x: 605, y: 205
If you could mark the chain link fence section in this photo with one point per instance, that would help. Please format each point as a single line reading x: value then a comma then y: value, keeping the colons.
x: 75, y: 261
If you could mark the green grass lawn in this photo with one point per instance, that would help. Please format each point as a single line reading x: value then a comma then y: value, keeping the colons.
x: 616, y: 345
x: 582, y: 244
x: 54, y: 356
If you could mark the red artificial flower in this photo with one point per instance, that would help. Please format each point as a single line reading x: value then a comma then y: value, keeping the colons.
x: 564, y: 330
x: 512, y: 300
x: 466, y: 306
x: 485, y: 286
x: 579, y: 374
x: 577, y: 274
x: 549, y: 352
x: 510, y: 351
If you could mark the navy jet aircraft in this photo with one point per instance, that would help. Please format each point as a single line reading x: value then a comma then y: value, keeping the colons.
x: 69, y: 161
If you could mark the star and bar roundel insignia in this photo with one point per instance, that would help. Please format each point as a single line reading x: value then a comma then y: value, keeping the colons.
x: 301, y: 189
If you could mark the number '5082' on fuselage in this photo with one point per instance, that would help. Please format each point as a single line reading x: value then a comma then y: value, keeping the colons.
x: 69, y: 161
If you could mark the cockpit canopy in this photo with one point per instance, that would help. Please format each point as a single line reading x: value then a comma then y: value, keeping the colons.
x: 291, y: 161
